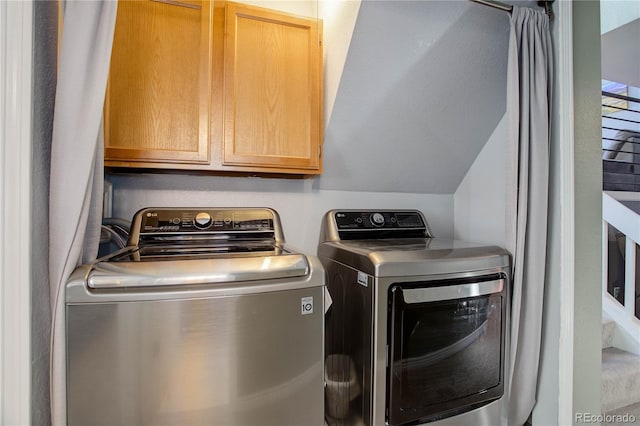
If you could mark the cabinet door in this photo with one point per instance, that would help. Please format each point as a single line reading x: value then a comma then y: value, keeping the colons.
x: 159, y: 93
x: 272, y: 89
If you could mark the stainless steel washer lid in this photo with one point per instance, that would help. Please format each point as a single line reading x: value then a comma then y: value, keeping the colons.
x: 191, y: 246
x: 185, y: 282
x: 196, y: 271
x: 414, y: 256
x: 186, y: 252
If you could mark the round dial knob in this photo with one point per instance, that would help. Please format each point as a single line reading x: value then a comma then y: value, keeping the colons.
x: 202, y: 220
x: 377, y: 219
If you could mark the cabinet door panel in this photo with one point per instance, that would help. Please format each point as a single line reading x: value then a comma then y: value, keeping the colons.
x: 158, y: 101
x: 272, y: 89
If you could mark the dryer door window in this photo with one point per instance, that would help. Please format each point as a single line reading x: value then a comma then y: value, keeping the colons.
x: 446, y: 356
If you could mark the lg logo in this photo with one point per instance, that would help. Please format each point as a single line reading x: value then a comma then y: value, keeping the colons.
x: 306, y: 305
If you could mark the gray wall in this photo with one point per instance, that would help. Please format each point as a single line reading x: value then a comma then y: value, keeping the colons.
x: 588, y: 207
x: 299, y: 204
x: 423, y: 88
x: 44, y: 80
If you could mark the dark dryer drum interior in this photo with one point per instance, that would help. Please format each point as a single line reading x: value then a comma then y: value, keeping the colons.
x: 417, y: 330
x: 443, y: 352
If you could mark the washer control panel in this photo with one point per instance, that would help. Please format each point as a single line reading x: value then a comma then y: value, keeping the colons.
x: 210, y: 220
x: 380, y: 219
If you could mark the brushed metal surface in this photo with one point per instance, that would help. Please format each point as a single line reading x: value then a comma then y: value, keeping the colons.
x: 434, y: 294
x: 248, y: 359
x: 77, y: 290
x: 415, y: 257
x: 196, y: 271
x: 389, y: 257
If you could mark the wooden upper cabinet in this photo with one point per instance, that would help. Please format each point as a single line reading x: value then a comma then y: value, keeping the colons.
x: 159, y: 92
x: 272, y: 90
x: 214, y: 86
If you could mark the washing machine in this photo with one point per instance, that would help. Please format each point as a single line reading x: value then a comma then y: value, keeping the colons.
x: 418, y: 329
x: 207, y: 317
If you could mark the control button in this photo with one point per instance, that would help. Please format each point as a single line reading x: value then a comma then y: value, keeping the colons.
x: 377, y: 219
x: 358, y: 220
x: 202, y: 220
x: 176, y: 221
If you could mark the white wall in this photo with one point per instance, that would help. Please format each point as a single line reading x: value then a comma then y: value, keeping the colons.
x: 300, y: 205
x: 620, y: 53
x: 479, y: 201
x: 616, y: 13
x: 339, y: 19
x: 16, y: 73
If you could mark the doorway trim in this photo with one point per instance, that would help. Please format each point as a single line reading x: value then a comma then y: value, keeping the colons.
x: 16, y: 29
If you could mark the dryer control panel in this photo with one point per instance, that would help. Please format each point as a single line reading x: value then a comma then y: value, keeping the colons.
x: 378, y: 219
x: 378, y: 224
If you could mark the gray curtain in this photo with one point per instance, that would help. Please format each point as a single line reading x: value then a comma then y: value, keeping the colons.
x: 76, y: 180
x: 529, y: 112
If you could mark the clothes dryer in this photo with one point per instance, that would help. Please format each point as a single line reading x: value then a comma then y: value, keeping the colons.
x: 418, y: 329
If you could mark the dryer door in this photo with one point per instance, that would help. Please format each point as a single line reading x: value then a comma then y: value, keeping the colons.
x: 446, y: 344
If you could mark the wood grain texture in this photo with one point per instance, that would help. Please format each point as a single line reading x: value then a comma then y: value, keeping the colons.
x: 158, y: 101
x: 272, y: 89
x: 167, y: 105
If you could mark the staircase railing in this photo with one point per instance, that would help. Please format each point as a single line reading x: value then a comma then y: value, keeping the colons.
x: 620, y: 142
x: 621, y: 277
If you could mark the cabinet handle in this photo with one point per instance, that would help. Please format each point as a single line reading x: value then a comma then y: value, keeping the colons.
x: 179, y: 3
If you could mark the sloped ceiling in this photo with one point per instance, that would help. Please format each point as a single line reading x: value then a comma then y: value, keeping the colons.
x: 423, y: 88
x: 621, y: 54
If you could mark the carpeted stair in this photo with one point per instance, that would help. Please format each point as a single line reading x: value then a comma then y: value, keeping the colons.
x: 620, y: 374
